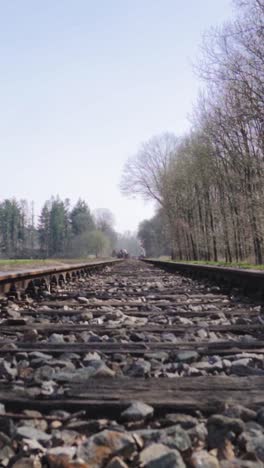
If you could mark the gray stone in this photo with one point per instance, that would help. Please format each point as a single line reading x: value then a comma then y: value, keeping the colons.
x: 238, y: 463
x: 176, y: 438
x: 239, y: 411
x: 7, y: 426
x: 64, y: 450
x: 139, y: 368
x: 169, y: 337
x: 2, y: 408
x: 137, y: 337
x: 160, y: 456
x: 137, y: 411
x: 219, y: 426
x: 26, y: 462
x: 117, y: 462
x: 158, y: 355
x: 203, y: 459
x: 253, y: 441
x: 83, y: 300
x: 260, y: 416
x: 202, y: 334
x: 94, y: 356
x: 39, y: 355
x: 43, y: 374
x: 6, y: 371
x: 56, y: 338
x: 183, y: 420
x: 6, y: 453
x: 93, y: 338
x: 28, y: 432
x: 244, y: 369
x: 173, y: 436
x: 96, y: 369
x: 99, y: 448
x: 186, y: 356
x: 198, y: 432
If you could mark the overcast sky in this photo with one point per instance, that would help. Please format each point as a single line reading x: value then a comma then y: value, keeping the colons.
x: 84, y: 82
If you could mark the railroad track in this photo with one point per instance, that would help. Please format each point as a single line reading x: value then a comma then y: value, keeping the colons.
x: 130, y: 366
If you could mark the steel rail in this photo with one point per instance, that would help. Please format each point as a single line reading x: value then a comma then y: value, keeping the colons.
x: 250, y: 281
x: 20, y: 280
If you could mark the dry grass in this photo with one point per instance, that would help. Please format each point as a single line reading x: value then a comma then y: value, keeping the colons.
x: 29, y: 264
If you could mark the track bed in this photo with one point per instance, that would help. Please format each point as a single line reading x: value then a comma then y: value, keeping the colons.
x: 187, y: 357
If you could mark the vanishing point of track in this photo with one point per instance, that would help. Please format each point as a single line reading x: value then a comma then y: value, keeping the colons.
x: 75, y: 356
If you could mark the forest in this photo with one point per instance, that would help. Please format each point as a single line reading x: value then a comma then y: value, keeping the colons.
x: 208, y: 184
x: 61, y: 231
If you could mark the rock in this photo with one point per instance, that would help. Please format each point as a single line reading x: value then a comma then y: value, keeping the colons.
x: 40, y: 424
x: 56, y: 338
x: 183, y: 420
x: 28, y: 432
x: 87, y: 315
x: 83, y: 300
x: 176, y: 438
x: 38, y: 355
x: 27, y: 463
x: 169, y: 337
x: 99, y: 448
x: 43, y: 374
x: 139, y: 368
x: 94, y: 356
x: 137, y: 411
x: 237, y: 463
x: 173, y: 436
x: 6, y: 371
x: 96, y: 369
x: 6, y: 453
x: 137, y: 337
x: 5, y: 440
x: 253, y: 441
x: 198, y: 433
x: 7, y: 426
x: 203, y: 459
x: 239, y: 411
x: 93, y: 338
x: 186, y: 356
x: 218, y: 428
x: 158, y: 355
x: 117, y: 462
x: 260, y: 416
x: 69, y: 451
x: 244, y: 369
x: 64, y: 461
x: 65, y: 437
x: 202, y: 334
x: 33, y: 445
x: 160, y: 456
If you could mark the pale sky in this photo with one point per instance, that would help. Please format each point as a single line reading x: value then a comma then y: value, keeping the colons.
x: 84, y: 82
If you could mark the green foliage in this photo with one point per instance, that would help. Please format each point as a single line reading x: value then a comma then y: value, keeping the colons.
x: 81, y: 218
x: 210, y: 182
x: 61, y: 231
x: 153, y: 234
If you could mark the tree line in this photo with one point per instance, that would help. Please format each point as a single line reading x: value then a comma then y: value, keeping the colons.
x: 209, y: 183
x: 61, y: 231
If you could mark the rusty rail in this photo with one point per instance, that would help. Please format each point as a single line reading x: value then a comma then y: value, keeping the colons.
x: 18, y: 281
x: 250, y: 282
